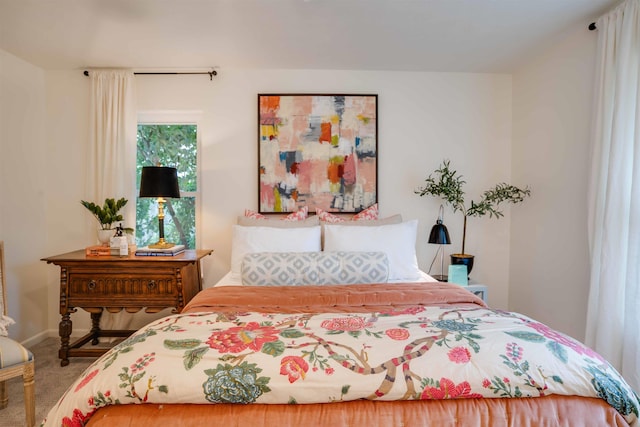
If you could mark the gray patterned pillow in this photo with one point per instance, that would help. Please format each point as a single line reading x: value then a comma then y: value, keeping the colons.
x: 314, y: 268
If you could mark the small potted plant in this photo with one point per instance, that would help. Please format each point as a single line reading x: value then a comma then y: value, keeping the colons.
x: 446, y: 184
x: 107, y: 215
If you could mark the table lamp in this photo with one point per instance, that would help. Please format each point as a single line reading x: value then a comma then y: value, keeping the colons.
x: 160, y: 182
x: 440, y: 236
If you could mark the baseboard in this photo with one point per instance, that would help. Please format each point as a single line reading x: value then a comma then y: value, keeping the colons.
x: 51, y: 333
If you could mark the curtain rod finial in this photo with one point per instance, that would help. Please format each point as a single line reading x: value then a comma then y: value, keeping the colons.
x: 592, y: 26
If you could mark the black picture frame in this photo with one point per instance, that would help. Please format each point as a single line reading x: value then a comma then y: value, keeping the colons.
x: 318, y: 151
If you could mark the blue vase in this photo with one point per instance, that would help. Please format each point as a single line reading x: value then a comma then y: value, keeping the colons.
x: 463, y: 259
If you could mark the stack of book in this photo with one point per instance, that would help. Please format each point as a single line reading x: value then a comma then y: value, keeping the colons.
x: 172, y: 251
x: 98, y: 251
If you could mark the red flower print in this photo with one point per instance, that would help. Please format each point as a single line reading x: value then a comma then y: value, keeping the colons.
x: 448, y: 390
x: 398, y: 334
x: 239, y: 338
x: 486, y: 383
x: 86, y: 380
x: 564, y: 340
x: 346, y: 324
x: 295, y: 367
x: 329, y: 371
x: 459, y: 355
x: 142, y: 362
x: 77, y: 419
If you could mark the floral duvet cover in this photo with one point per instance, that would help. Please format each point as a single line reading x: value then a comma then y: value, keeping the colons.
x: 408, y: 352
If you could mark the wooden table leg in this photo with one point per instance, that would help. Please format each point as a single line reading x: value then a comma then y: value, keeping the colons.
x: 4, y: 396
x: 64, y: 330
x: 95, y: 327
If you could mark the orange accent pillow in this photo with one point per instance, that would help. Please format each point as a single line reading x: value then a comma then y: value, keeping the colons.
x: 371, y: 213
x: 300, y: 215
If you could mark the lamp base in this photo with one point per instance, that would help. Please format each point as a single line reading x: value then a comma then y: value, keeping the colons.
x: 161, y: 244
x: 441, y: 278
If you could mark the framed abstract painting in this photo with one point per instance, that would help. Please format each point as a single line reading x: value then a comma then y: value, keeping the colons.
x: 319, y: 151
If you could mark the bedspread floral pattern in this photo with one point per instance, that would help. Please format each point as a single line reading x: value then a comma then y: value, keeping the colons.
x: 416, y: 353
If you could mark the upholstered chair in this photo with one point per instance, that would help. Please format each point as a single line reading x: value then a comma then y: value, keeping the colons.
x: 15, y: 360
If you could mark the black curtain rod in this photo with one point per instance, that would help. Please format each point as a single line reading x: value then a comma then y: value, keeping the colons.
x: 592, y: 26
x: 210, y: 73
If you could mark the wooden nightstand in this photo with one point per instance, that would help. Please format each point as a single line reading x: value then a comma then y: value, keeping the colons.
x: 96, y: 283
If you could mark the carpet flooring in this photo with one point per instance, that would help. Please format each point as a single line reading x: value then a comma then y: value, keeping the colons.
x: 51, y: 382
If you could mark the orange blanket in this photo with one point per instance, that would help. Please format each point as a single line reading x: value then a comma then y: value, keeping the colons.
x: 329, y: 299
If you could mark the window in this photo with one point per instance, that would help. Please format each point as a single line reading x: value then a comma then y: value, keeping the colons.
x: 169, y: 139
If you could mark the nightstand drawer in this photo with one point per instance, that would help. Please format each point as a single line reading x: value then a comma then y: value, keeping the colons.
x: 120, y: 284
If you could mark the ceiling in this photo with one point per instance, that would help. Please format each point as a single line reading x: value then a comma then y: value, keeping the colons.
x: 408, y: 35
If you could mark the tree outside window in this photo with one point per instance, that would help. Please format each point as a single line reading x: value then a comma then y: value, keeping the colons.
x: 174, y: 145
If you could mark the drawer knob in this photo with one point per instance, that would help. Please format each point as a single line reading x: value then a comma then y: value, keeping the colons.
x: 91, y: 285
x: 151, y: 284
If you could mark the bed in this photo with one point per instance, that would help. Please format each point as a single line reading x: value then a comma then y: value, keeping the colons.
x: 294, y: 346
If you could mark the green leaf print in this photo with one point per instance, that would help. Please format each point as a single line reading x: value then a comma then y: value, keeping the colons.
x: 181, y: 344
x: 558, y: 350
x: 291, y: 333
x: 193, y: 357
x: 274, y: 348
x: 527, y: 336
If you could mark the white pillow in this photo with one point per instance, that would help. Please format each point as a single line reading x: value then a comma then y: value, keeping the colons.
x: 398, y: 241
x: 278, y: 223
x: 269, y: 239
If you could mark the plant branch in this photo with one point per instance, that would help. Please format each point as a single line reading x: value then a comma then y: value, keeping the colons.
x: 492, y: 198
x: 446, y: 184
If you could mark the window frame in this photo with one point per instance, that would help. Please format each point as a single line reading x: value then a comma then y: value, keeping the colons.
x: 180, y: 117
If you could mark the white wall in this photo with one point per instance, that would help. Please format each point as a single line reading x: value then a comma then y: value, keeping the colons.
x: 67, y: 96
x: 423, y: 118
x: 23, y: 192
x: 552, y: 98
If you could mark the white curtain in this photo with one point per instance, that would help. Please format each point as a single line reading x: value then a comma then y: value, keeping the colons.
x: 613, y: 320
x: 112, y: 145
x: 111, y: 159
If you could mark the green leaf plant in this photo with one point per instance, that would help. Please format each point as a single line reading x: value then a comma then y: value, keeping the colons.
x: 107, y: 214
x: 446, y: 184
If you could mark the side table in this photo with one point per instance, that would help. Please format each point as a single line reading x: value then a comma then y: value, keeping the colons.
x: 96, y: 283
x: 479, y: 290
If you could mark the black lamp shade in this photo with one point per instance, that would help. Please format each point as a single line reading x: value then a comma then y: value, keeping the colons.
x: 439, y: 234
x: 159, y: 181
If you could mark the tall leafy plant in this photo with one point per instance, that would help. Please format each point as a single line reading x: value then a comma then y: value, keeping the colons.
x: 446, y: 184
